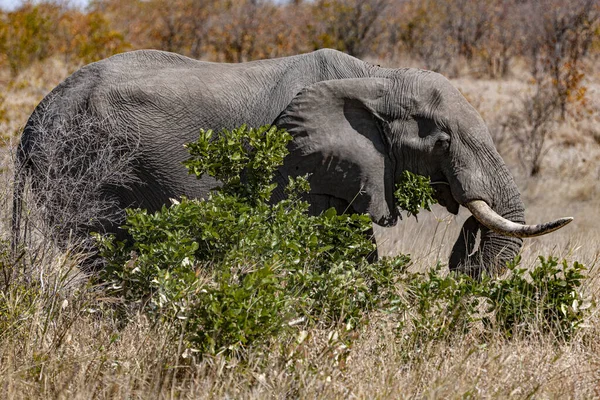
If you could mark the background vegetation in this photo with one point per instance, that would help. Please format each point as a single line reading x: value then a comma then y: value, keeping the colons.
x: 330, y: 325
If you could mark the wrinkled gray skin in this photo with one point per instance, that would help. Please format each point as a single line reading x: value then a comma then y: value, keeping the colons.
x: 356, y: 128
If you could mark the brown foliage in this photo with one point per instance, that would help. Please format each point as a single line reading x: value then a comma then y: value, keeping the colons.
x: 178, y: 26
x: 439, y: 32
x: 553, y: 36
x: 24, y: 34
x: 352, y: 26
x: 560, y: 37
x: 87, y: 37
x: 218, y: 30
x: 32, y: 33
x: 247, y: 30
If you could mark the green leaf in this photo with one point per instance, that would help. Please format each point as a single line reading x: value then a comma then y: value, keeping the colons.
x: 413, y: 193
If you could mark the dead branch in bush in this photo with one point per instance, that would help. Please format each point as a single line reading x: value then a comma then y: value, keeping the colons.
x: 352, y: 26
x: 530, y: 126
x: 75, y: 163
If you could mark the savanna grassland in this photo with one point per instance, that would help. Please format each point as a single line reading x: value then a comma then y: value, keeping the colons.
x: 531, y: 68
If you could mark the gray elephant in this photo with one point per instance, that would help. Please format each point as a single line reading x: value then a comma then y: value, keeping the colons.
x: 112, y: 136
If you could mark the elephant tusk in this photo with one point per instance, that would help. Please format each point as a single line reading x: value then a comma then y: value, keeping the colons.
x: 489, y: 218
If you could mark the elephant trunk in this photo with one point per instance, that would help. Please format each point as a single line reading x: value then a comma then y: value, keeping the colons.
x: 500, y: 221
x: 494, y: 250
x: 501, y: 237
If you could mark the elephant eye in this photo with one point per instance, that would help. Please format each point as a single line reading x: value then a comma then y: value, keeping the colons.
x: 443, y: 142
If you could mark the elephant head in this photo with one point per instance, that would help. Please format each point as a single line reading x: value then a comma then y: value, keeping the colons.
x: 355, y: 137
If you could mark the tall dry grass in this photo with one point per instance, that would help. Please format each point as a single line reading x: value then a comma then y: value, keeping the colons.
x: 59, y: 339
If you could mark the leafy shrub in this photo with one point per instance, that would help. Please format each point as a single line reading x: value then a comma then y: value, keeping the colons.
x: 547, y: 299
x: 551, y: 300
x: 440, y: 306
x: 414, y: 193
x: 237, y: 269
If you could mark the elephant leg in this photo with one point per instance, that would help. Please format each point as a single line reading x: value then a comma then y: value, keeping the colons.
x: 460, y: 259
x: 373, y: 256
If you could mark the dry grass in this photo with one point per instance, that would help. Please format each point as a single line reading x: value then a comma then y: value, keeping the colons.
x: 59, y: 341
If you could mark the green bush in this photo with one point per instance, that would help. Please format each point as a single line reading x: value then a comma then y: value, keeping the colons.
x: 545, y: 300
x: 550, y: 301
x: 237, y: 269
x: 440, y: 306
x: 414, y: 193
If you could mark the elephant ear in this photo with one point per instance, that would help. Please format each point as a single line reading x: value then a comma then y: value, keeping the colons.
x: 339, y: 140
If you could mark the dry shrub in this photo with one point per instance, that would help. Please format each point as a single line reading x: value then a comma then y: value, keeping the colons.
x: 441, y: 32
x: 212, y: 29
x: 180, y: 26
x: 446, y: 35
x: 76, y: 164
x: 558, y: 40
x: 555, y: 36
x: 86, y: 37
x: 528, y: 128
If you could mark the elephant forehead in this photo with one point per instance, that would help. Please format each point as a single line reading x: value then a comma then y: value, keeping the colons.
x: 425, y: 94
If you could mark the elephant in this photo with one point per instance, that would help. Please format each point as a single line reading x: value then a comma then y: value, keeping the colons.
x: 112, y: 136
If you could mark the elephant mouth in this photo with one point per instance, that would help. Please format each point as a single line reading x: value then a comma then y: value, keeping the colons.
x: 443, y: 195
